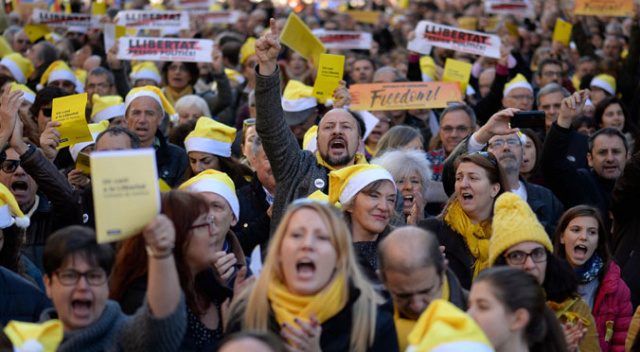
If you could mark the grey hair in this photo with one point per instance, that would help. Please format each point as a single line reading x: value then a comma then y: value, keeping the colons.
x: 401, y: 163
x: 99, y: 71
x: 10, y: 33
x: 193, y: 100
x: 384, y: 69
x: 550, y: 89
x: 464, y: 107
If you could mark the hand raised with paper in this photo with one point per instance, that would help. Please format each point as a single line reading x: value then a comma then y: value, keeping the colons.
x: 50, y: 139
x: 160, y: 235
x: 112, y: 56
x: 342, y: 95
x: 267, y: 49
x: 572, y: 107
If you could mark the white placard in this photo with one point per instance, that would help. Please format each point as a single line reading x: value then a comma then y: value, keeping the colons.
x: 153, y: 19
x: 216, y: 17
x: 65, y: 20
x: 344, y: 39
x: 510, y: 7
x: 477, y: 43
x: 195, y: 4
x: 165, y: 49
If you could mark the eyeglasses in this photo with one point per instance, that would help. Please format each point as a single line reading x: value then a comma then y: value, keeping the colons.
x: 522, y: 97
x: 46, y: 112
x: 460, y: 129
x: 209, y: 221
x: 70, y: 277
x: 9, y: 166
x: 552, y: 73
x: 538, y: 255
x: 488, y: 156
x: 512, y: 142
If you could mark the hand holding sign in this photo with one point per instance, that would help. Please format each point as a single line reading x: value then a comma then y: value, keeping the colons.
x: 267, y: 49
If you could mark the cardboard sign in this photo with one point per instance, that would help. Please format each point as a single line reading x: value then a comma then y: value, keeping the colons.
x: 510, y: 7
x: 216, y: 17
x: 65, y: 20
x: 330, y: 72
x: 126, y: 195
x: 453, y: 38
x: 344, y: 39
x: 403, y: 95
x: 111, y: 32
x: 457, y: 71
x: 369, y: 17
x: 562, y: 32
x: 153, y: 19
x: 70, y: 111
x: 165, y: 49
x: 83, y: 163
x: 611, y: 8
x: 297, y: 36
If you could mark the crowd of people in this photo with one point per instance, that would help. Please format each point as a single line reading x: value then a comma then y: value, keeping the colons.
x: 289, y: 222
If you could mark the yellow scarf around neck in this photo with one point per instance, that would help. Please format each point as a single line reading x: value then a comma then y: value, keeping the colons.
x: 325, y: 304
x: 173, y: 95
x: 360, y: 159
x: 476, y: 236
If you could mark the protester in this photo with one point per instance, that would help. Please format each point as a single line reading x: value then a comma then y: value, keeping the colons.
x: 610, y: 112
x: 400, y: 137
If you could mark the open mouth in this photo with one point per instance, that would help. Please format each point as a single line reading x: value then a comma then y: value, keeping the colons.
x: 338, y: 145
x: 580, y: 250
x: 81, y: 307
x: 305, y: 268
x: 19, y: 186
x: 467, y: 196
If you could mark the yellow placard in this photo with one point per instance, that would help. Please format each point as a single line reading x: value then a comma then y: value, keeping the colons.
x: 36, y: 31
x: 370, y: 17
x: 164, y: 187
x: 611, y: 8
x: 297, y: 36
x: 70, y: 111
x: 562, y: 31
x: 457, y: 71
x: 83, y: 163
x: 99, y: 8
x: 330, y: 72
x: 403, y: 95
x: 513, y: 29
x: 469, y: 23
x: 126, y: 196
x: 492, y: 27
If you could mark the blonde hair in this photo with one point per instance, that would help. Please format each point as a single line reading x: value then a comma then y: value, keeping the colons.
x: 255, y: 301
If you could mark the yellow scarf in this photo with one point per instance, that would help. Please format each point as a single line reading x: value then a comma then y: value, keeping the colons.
x: 360, y: 159
x: 325, y: 304
x: 476, y: 236
x: 371, y: 152
x: 173, y: 96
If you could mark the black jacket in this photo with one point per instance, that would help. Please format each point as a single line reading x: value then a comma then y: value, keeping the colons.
x: 336, y: 332
x: 171, y: 161
x: 19, y: 299
x: 254, y: 223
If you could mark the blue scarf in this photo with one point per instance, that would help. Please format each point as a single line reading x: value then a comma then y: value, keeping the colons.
x: 590, y: 270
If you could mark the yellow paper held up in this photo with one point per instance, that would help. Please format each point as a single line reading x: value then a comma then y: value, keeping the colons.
x: 83, y: 163
x: 164, y: 187
x: 370, y: 17
x: 562, y: 32
x: 512, y: 29
x: 70, y: 111
x: 330, y: 72
x: 36, y: 31
x: 457, y: 71
x: 99, y: 8
x: 297, y: 36
x: 469, y: 23
x: 126, y: 195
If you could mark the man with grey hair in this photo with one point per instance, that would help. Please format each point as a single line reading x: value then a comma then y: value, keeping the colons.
x: 386, y: 74
x: 100, y: 81
x: 19, y: 41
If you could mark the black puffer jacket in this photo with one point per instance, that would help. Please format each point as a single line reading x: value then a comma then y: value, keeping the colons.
x: 171, y: 161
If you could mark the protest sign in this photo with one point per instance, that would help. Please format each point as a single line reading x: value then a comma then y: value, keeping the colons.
x: 65, y: 20
x: 510, y: 7
x: 111, y: 32
x: 562, y: 32
x: 99, y: 8
x: 83, y: 163
x: 126, y: 194
x: 153, y: 19
x: 26, y: 9
x: 468, y: 23
x: 403, y: 95
x: 70, y: 111
x: 330, y: 72
x: 477, y: 43
x: 297, y: 36
x: 197, y: 4
x: 344, y: 39
x: 36, y: 31
x: 216, y: 17
x: 369, y: 17
x: 165, y: 49
x: 611, y: 8
x: 457, y: 71
x: 512, y: 28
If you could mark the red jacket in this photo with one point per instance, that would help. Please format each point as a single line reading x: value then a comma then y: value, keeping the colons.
x: 613, y: 304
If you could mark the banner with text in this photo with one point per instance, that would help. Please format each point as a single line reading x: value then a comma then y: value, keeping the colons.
x: 344, y: 39
x: 477, y: 43
x: 216, y: 17
x: 153, y: 19
x: 195, y: 4
x: 510, y: 7
x: 611, y: 8
x: 57, y: 19
x: 165, y: 49
x: 403, y: 95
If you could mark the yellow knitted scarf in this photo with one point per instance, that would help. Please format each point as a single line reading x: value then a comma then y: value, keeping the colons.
x: 476, y: 236
x: 325, y: 304
x: 173, y: 95
x: 360, y: 159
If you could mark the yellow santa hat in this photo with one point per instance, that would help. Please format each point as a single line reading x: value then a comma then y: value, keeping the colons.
x: 145, y: 70
x: 56, y: 71
x: 605, y: 82
x: 345, y: 183
x: 514, y: 222
x: 210, y: 136
x: 95, y: 129
x: 215, y: 182
x: 234, y: 75
x: 443, y: 327
x: 151, y: 92
x: 27, y: 93
x: 310, y: 140
x: 10, y: 212
x: 20, y: 67
x: 298, y: 102
x: 45, y: 337
x: 107, y: 107
x: 247, y: 49
x: 517, y: 82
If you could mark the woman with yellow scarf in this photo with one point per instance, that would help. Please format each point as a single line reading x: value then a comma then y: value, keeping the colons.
x: 464, y: 227
x: 311, y: 291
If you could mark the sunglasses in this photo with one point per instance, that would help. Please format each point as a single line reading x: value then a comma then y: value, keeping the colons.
x: 488, y: 156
